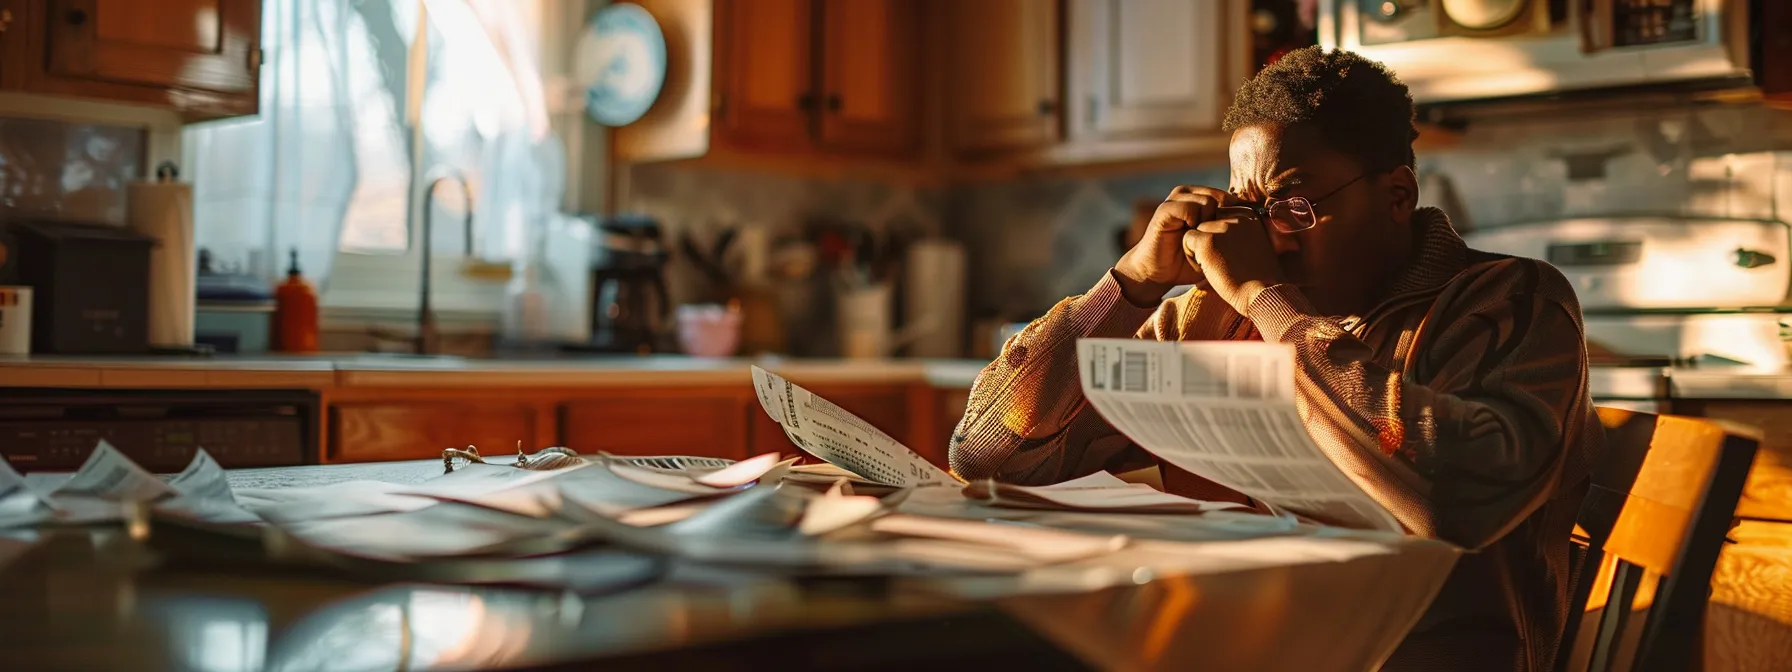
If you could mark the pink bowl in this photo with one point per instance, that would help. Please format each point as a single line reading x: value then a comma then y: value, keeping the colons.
x: 708, y: 330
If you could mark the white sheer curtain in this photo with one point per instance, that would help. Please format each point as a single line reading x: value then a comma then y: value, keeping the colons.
x: 284, y: 179
x: 325, y: 168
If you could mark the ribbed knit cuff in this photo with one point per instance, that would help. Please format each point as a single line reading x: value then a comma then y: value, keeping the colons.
x: 1275, y: 310
x: 1104, y: 311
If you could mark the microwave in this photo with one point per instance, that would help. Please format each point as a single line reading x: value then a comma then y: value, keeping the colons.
x: 1449, y: 51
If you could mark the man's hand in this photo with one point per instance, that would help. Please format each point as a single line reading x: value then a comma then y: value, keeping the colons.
x: 1236, y: 255
x: 1158, y: 262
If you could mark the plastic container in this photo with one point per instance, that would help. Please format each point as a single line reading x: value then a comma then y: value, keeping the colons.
x: 295, y: 312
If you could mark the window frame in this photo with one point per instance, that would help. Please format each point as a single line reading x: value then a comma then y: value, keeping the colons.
x: 367, y: 287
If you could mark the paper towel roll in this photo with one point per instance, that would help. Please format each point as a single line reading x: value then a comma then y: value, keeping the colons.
x: 934, y: 294
x: 164, y: 210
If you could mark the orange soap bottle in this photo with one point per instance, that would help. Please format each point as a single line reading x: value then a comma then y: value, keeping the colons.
x: 295, y: 312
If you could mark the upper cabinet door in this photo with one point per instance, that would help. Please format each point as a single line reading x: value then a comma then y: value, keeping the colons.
x: 1149, y: 67
x: 210, y: 45
x: 1003, y: 76
x: 764, y: 72
x: 870, y: 75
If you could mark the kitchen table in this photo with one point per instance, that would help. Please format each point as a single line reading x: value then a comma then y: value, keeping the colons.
x: 1302, y: 598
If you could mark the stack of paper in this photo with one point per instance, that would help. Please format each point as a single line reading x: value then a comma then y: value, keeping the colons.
x: 1224, y: 411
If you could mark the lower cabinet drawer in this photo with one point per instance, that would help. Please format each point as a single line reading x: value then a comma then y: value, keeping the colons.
x: 709, y: 426
x: 409, y: 430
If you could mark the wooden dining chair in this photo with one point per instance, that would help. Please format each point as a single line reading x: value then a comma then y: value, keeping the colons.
x: 1661, y: 501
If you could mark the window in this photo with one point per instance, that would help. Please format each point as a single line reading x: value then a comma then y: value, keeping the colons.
x: 336, y: 163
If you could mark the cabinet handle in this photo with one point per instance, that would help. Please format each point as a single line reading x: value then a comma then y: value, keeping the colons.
x: 805, y: 101
x: 1047, y: 107
x: 77, y: 17
x: 5, y: 19
x: 834, y: 102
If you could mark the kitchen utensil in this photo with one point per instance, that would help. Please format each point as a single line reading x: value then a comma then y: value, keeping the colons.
x: 712, y: 263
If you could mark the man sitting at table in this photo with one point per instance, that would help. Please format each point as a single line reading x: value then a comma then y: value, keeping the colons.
x: 1451, y: 384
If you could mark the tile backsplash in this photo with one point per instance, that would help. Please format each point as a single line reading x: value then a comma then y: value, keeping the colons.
x: 67, y: 172
x: 699, y: 201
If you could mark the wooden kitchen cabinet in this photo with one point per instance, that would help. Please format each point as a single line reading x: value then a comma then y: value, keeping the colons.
x: 1149, y: 68
x: 199, y: 57
x: 813, y: 80
x: 1003, y: 85
x: 709, y: 423
x: 870, y: 76
x: 765, y: 72
x: 420, y: 429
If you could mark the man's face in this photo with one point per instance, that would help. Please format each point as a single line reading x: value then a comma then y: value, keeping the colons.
x: 1344, y: 259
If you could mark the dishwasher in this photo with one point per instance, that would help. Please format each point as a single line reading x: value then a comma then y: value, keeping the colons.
x: 57, y: 429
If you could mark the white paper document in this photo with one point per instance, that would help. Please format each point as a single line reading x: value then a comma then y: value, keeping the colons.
x: 1100, y: 491
x: 204, y: 493
x: 831, y: 433
x: 1226, y: 412
x: 19, y: 505
x: 108, y: 474
x: 203, y: 479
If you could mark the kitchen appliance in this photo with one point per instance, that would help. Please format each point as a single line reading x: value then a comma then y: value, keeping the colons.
x: 56, y: 429
x: 1665, y: 291
x: 235, y: 312
x: 91, y: 287
x: 630, y: 310
x: 1459, y: 50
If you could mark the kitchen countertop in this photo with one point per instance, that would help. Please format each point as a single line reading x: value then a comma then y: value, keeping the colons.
x: 381, y: 370
x: 400, y: 370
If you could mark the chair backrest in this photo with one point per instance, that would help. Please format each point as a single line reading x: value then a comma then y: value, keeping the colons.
x: 1654, y: 519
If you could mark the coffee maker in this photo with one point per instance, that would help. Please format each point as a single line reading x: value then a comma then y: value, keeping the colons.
x: 629, y: 306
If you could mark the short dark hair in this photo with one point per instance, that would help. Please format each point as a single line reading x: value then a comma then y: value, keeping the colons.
x: 1359, y: 107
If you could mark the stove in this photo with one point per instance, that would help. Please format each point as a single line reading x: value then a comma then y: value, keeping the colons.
x: 1660, y: 294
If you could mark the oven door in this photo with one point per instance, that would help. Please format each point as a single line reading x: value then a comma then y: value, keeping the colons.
x: 1631, y: 264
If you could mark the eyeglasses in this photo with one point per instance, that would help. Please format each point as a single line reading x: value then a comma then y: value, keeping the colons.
x: 1293, y: 214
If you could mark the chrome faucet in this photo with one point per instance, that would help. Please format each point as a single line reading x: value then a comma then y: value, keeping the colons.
x: 427, y: 340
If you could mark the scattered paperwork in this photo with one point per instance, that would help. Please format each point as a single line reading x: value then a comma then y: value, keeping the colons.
x: 1224, y: 411
x: 18, y: 503
x: 831, y: 433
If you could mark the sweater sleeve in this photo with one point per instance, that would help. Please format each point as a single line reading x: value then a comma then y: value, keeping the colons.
x: 1027, y: 420
x: 1474, y: 435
